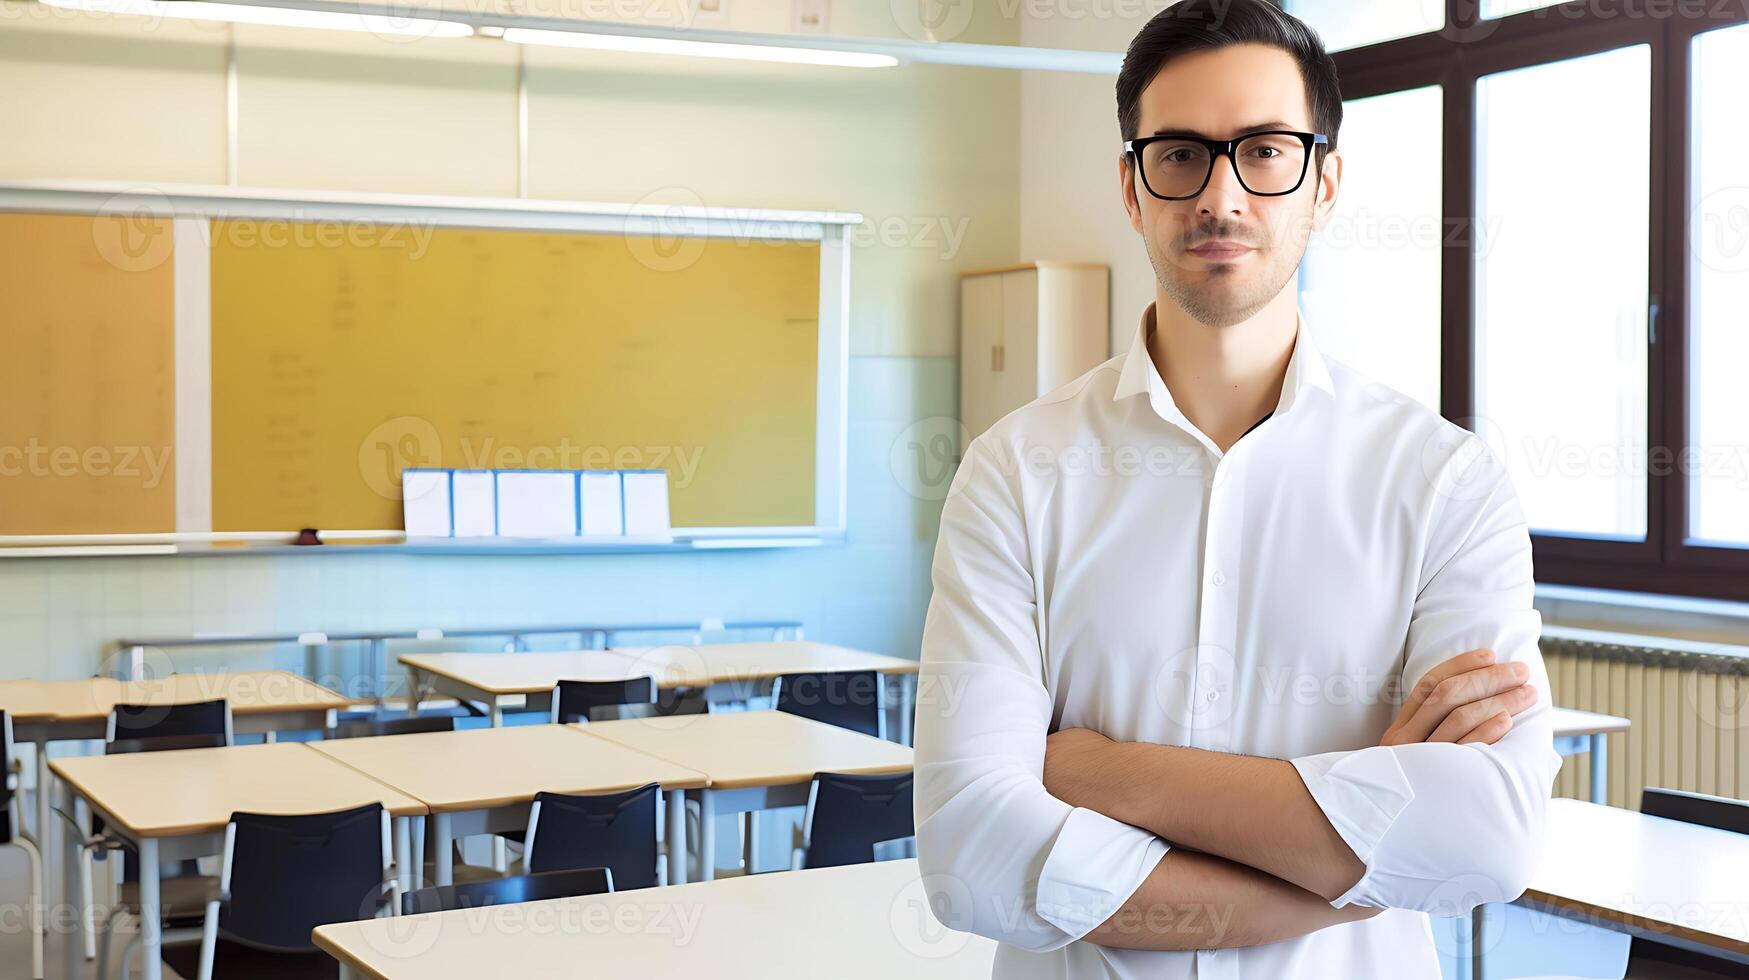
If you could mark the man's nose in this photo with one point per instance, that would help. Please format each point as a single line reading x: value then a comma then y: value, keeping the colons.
x: 1224, y: 194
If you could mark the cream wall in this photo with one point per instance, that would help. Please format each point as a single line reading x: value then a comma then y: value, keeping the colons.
x: 1070, y: 201
x: 927, y: 153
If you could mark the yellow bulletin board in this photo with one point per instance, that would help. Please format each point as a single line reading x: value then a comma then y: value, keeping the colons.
x: 87, y: 374
x: 336, y: 363
x: 195, y: 366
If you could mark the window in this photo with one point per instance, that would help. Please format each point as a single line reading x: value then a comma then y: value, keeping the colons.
x: 1370, y: 281
x: 1562, y: 201
x: 1590, y: 167
x: 1719, y: 277
x: 1502, y: 8
x: 1352, y: 23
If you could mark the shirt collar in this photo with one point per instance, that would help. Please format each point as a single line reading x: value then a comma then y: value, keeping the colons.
x: 1306, y: 369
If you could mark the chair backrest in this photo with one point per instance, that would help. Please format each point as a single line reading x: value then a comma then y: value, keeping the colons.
x: 1718, y: 812
x: 142, y: 721
x: 848, y: 699
x: 848, y: 815
x: 616, y: 831
x: 505, y: 891
x: 286, y: 875
x: 8, y: 778
x: 162, y: 743
x: 369, y: 727
x: 574, y: 700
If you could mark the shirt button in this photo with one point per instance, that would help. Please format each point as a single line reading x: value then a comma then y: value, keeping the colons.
x: 1214, y: 695
x: 1220, y: 579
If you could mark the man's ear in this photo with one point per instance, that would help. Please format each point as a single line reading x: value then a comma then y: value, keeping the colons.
x: 1127, y: 188
x: 1329, y: 184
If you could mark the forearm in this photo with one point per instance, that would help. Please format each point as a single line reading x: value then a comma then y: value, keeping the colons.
x: 1199, y: 901
x: 1254, y: 811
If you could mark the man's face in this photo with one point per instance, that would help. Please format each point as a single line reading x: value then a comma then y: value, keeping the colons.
x: 1223, y: 94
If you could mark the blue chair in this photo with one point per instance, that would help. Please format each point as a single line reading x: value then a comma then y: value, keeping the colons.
x: 373, y: 727
x: 185, y: 892
x: 848, y: 815
x: 575, y: 701
x: 282, y: 877
x: 616, y: 831
x: 507, y: 891
x: 12, y: 833
x: 1648, y: 958
x: 135, y: 722
x: 848, y: 699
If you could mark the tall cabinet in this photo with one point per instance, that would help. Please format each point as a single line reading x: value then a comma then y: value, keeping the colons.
x: 1026, y: 329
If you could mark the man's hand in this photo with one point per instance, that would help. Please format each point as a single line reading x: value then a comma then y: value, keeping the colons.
x: 1468, y: 698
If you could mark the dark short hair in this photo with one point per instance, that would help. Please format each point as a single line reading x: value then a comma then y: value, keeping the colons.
x: 1207, y: 25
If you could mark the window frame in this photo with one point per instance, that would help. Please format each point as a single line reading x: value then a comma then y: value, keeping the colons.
x: 1455, y: 58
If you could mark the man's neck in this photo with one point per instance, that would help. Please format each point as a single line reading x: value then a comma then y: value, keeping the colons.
x: 1224, y: 379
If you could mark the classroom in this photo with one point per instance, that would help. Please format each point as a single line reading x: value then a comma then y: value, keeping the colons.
x: 852, y: 489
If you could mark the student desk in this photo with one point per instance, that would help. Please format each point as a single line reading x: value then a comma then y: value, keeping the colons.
x: 755, y: 760
x: 1585, y: 731
x: 484, y: 780
x: 734, y: 670
x: 1673, y: 882
x: 175, y: 805
x: 262, y: 702
x: 861, y: 922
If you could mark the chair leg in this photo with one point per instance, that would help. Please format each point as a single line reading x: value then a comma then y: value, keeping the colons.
x: 90, y: 911
x: 103, y: 944
x: 209, y: 941
x: 127, y: 955
x: 35, y: 909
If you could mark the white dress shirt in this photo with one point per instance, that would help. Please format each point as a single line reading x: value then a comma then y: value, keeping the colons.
x: 1102, y: 564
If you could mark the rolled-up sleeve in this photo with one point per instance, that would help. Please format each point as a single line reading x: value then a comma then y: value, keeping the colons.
x: 1000, y: 856
x: 1443, y: 827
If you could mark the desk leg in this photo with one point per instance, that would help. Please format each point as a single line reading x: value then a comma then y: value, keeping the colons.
x: 1478, y: 938
x: 907, y: 706
x: 45, y: 821
x: 151, y: 911
x: 677, y: 837
x: 403, y: 862
x: 1600, y: 768
x: 707, y: 835
x: 412, y: 693
x: 70, y: 889
x: 445, y: 848
x: 418, y: 852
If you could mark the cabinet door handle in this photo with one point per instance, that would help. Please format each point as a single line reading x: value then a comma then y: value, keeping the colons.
x: 996, y: 356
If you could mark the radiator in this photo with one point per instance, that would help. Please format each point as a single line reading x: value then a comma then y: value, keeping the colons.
x: 1689, y: 703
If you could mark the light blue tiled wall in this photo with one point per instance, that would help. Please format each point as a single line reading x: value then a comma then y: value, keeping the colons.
x: 58, y: 615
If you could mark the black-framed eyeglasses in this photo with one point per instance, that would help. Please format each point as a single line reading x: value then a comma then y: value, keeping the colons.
x: 1268, y: 164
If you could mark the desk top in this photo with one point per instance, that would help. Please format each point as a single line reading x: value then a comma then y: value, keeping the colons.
x: 90, y: 699
x: 488, y: 767
x: 673, y: 665
x: 1648, y: 874
x: 191, y: 791
x: 754, y: 748
x: 1571, y: 721
x: 860, y: 922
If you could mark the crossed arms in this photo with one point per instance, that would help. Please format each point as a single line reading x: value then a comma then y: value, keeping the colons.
x: 1038, y: 840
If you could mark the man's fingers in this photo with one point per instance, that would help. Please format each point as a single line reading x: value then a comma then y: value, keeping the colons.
x: 1466, y: 718
x: 1458, y: 690
x: 1490, y: 731
x: 1463, y: 662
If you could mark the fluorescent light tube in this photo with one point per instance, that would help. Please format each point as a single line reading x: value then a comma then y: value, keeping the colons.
x: 699, y: 49
x: 239, y: 13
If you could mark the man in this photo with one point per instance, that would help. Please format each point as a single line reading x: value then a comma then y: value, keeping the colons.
x: 1231, y: 666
